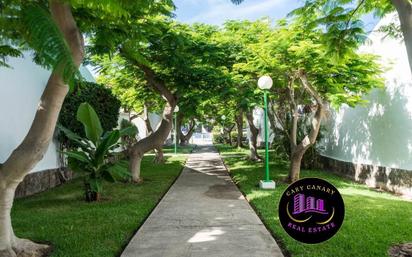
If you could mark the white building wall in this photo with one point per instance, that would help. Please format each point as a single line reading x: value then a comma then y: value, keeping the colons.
x: 154, y: 120
x: 20, y: 90
x: 259, y: 122
x: 379, y: 133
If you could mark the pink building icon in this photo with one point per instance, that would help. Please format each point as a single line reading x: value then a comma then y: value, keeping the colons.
x: 301, y: 203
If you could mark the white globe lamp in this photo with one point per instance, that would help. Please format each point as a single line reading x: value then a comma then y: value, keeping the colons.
x: 265, y: 82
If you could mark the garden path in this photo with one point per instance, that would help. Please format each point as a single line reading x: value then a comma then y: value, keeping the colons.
x: 203, y: 214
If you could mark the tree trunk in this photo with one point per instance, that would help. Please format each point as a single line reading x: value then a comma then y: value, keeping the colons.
x: 153, y: 141
x: 295, y: 163
x: 254, y: 156
x: 38, y: 138
x: 156, y: 139
x: 10, y: 245
x: 271, y: 118
x: 404, y: 9
x: 239, y: 127
x: 159, y: 156
x: 135, y: 164
x: 229, y: 132
x: 297, y: 151
x: 184, y: 139
x: 179, y: 121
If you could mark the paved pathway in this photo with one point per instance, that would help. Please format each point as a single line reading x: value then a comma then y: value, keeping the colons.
x: 203, y: 214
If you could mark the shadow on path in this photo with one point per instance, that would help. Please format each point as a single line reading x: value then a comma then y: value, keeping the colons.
x: 203, y: 214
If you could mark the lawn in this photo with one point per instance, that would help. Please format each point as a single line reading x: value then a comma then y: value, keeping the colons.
x: 76, y: 228
x: 373, y: 222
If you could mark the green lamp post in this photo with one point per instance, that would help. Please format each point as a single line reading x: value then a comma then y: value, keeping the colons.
x: 175, y: 114
x: 265, y: 83
x: 223, y: 129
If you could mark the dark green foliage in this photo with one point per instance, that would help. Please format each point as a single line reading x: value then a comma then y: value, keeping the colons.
x: 103, y: 101
x: 8, y: 51
x: 95, y: 156
x: 218, y: 138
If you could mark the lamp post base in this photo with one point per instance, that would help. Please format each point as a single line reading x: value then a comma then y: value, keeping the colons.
x: 267, y: 184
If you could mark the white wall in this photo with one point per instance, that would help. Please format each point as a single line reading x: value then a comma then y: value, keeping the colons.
x: 381, y: 132
x: 20, y: 90
x: 154, y: 120
x: 259, y: 122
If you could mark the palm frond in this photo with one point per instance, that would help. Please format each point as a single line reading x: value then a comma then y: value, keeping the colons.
x: 50, y: 48
x: 237, y: 1
x: 8, y: 51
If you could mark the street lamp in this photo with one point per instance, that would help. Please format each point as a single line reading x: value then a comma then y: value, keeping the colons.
x: 175, y: 114
x: 265, y: 83
x: 223, y: 127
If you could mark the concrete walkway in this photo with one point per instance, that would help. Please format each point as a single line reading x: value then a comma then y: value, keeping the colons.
x: 203, y: 214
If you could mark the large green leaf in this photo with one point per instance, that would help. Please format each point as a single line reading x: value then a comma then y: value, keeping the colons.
x: 88, y: 117
x: 75, y: 138
x: 77, y: 166
x: 78, y: 155
x: 96, y: 184
x: 107, y: 142
x: 119, y: 171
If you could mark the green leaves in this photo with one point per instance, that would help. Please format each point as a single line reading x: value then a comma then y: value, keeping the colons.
x: 51, y: 49
x: 92, y: 127
x: 95, y: 184
x: 115, y: 8
x: 8, y: 51
x: 78, y: 155
x: 107, y: 143
x: 100, y: 97
x: 129, y: 131
x: 98, y: 160
x: 74, y: 137
x: 119, y: 171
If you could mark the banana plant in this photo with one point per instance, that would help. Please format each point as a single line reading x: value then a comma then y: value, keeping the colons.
x: 96, y: 157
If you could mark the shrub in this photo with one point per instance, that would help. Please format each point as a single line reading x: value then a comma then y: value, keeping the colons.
x: 218, y: 138
x: 234, y: 137
x: 95, y: 155
x: 100, y: 98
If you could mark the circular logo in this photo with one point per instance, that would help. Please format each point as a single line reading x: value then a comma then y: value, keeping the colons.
x: 311, y: 210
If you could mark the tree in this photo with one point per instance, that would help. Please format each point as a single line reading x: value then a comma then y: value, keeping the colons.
x: 239, y: 37
x: 342, y: 18
x: 53, y: 31
x: 254, y: 132
x: 60, y: 26
x: 129, y: 85
x: 174, y: 63
x: 312, y: 79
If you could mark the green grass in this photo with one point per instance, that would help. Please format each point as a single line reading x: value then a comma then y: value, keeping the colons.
x: 76, y: 228
x: 373, y: 221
